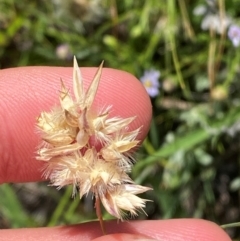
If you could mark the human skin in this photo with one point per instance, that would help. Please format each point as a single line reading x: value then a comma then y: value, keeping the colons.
x: 24, y: 93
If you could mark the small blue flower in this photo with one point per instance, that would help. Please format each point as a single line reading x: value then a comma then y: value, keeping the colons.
x: 234, y: 35
x: 150, y: 82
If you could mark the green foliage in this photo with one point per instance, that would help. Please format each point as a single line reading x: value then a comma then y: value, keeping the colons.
x: 191, y: 155
x: 12, y: 210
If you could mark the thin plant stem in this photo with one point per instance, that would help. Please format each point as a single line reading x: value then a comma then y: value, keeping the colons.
x: 172, y: 41
x: 186, y: 21
x: 114, y: 17
x: 211, y: 59
x: 223, y: 35
x: 176, y: 62
x: 99, y: 214
x: 232, y: 70
x: 230, y: 225
x: 60, y: 207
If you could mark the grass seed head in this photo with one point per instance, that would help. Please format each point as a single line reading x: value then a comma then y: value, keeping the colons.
x: 71, y: 158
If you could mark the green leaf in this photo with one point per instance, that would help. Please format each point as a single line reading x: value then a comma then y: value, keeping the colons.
x: 191, y: 139
x: 12, y: 209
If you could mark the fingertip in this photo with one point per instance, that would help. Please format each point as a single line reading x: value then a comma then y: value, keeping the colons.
x: 124, y: 237
x: 26, y: 92
x: 164, y: 230
x: 173, y: 229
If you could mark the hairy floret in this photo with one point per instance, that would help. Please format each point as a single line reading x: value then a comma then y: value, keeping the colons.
x: 71, y: 157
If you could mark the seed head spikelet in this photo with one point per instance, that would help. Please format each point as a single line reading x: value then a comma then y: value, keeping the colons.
x: 71, y: 158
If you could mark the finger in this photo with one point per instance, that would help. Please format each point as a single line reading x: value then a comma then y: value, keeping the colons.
x: 25, y: 92
x: 174, y: 230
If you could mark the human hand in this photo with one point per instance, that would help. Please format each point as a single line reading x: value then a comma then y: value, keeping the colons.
x: 24, y: 93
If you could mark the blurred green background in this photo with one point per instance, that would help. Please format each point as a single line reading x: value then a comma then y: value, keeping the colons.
x: 191, y: 156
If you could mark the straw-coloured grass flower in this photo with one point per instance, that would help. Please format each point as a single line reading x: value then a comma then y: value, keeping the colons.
x: 72, y: 159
